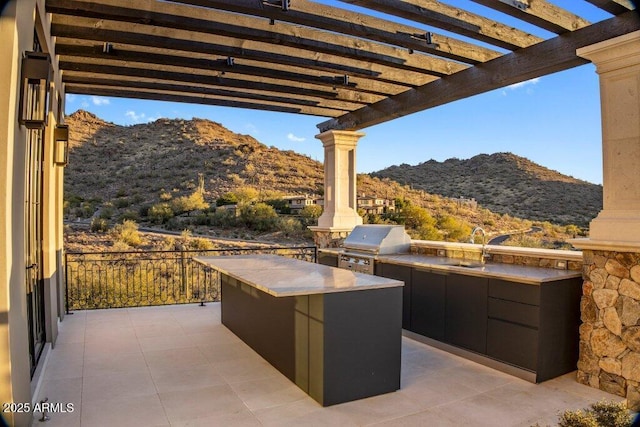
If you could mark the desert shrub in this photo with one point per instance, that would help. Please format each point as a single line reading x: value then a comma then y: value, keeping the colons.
x: 223, y: 218
x: 129, y: 215
x: 99, y: 225
x: 128, y: 233
x: 107, y: 211
x: 190, y: 203
x: 289, y: 225
x: 227, y: 199
x: 122, y: 202
x: 259, y: 217
x: 601, y: 414
x: 310, y: 214
x: 280, y: 205
x: 160, y: 213
x: 454, y: 229
x: 165, y: 196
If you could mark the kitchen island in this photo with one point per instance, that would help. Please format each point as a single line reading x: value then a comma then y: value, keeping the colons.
x: 335, y: 333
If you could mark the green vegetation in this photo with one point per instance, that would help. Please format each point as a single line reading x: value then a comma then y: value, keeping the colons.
x: 181, y: 170
x: 601, y: 414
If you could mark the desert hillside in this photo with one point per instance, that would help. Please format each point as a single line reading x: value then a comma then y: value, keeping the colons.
x: 506, y: 183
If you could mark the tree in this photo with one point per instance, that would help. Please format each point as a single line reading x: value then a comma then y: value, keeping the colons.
x: 259, y: 217
x: 160, y: 213
x: 189, y: 203
x: 310, y: 214
x: 227, y: 199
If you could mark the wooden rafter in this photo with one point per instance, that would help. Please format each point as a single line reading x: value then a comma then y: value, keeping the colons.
x: 615, y: 7
x: 193, y: 99
x: 122, y: 52
x: 173, y: 17
x: 119, y: 81
x: 314, y: 58
x: 540, y: 13
x: 556, y: 54
x: 343, y: 21
x: 440, y: 15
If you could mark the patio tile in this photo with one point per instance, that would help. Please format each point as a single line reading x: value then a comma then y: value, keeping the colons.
x: 246, y: 369
x: 239, y: 419
x: 268, y: 392
x: 174, y: 359
x: 117, y: 363
x: 187, y: 378
x: 165, y: 342
x: 159, y: 328
x: 133, y: 412
x: 217, y: 400
x: 117, y: 386
x: 112, y: 344
x: 200, y: 374
x: 216, y: 353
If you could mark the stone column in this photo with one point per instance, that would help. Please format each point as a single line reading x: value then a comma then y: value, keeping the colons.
x: 340, y: 210
x: 610, y: 306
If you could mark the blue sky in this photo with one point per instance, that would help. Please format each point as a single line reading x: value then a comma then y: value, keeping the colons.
x: 553, y: 120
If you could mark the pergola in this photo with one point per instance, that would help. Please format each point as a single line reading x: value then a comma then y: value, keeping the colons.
x: 298, y: 56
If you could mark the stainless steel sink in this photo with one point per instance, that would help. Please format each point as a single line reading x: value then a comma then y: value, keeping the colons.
x: 466, y: 264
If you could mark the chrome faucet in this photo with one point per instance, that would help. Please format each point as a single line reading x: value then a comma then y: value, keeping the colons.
x: 485, y: 255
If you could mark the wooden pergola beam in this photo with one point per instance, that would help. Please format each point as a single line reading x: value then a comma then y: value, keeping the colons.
x: 614, y: 7
x: 540, y: 13
x: 550, y: 56
x: 138, y: 83
x: 440, y: 15
x: 337, y: 20
x: 178, y: 17
x: 241, y: 66
x: 192, y: 99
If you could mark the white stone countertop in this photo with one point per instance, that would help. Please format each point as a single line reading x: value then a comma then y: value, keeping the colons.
x: 516, y: 273
x: 282, y: 277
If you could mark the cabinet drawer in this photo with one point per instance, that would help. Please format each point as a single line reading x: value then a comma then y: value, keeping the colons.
x: 516, y: 312
x: 511, y: 343
x: 513, y: 291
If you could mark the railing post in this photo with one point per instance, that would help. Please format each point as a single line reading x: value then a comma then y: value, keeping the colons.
x: 66, y: 283
x: 183, y: 269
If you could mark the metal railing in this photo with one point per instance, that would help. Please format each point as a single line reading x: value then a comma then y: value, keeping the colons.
x: 135, y: 279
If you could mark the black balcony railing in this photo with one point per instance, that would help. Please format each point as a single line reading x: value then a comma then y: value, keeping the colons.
x: 136, y: 279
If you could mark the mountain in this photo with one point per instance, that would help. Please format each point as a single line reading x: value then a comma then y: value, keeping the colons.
x: 119, y: 172
x: 505, y: 183
x: 143, y: 162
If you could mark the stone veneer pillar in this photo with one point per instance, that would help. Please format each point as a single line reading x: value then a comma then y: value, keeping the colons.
x: 610, y: 306
x: 340, y: 210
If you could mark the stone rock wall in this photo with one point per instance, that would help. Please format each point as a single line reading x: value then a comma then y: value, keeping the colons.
x: 610, y: 330
x: 329, y: 239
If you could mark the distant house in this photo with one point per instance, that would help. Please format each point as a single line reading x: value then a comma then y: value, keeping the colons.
x: 375, y: 205
x: 297, y: 203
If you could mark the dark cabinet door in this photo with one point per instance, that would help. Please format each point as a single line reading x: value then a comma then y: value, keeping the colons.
x: 403, y: 273
x: 428, y: 293
x: 513, y: 343
x: 328, y: 259
x: 466, y: 312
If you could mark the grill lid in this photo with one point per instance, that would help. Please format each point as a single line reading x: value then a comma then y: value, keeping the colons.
x: 378, y: 239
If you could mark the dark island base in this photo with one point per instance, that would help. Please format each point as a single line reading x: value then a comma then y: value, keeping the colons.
x: 337, y: 347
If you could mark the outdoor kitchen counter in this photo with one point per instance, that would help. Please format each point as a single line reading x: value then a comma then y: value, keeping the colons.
x: 516, y: 273
x: 281, y: 277
x: 335, y: 333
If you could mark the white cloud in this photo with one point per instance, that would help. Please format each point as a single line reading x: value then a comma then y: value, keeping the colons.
x: 70, y: 98
x: 99, y: 100
x: 525, y: 83
x: 292, y: 137
x: 84, y: 104
x: 251, y: 129
x: 140, y: 117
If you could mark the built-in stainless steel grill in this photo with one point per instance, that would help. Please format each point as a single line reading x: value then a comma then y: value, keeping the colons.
x: 366, y: 242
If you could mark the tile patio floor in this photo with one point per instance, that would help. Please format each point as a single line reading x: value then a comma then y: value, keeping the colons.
x: 179, y: 366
